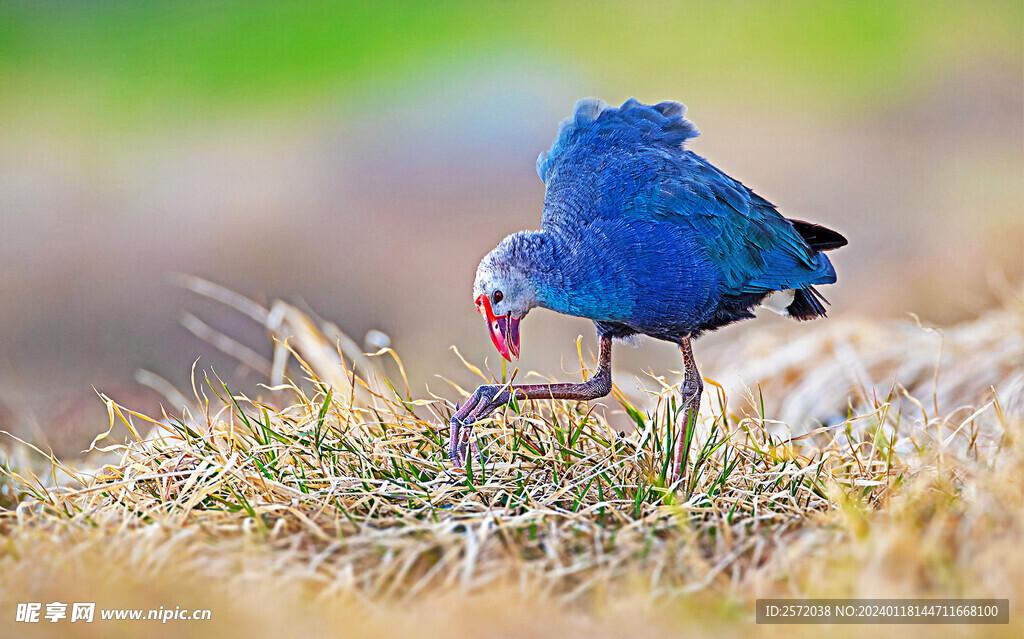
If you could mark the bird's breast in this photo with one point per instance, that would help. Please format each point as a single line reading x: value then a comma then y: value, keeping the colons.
x: 645, y: 275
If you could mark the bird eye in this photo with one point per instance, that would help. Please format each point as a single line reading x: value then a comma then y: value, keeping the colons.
x: 498, y: 296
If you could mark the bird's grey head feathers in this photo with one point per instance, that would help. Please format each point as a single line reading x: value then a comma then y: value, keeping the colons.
x: 510, y: 274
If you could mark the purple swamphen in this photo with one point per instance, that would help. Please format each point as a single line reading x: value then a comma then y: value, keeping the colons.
x: 641, y: 236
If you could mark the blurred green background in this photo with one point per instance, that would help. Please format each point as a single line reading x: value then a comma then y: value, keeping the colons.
x: 362, y: 157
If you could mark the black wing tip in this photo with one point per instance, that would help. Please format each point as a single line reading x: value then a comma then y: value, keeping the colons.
x: 818, y: 237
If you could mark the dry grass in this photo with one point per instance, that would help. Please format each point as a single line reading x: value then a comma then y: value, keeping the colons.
x: 324, y: 503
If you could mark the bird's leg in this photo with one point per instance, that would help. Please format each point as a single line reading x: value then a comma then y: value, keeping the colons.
x: 489, y: 397
x: 692, y: 388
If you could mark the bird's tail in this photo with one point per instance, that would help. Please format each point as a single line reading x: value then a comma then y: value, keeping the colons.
x: 818, y: 237
x: 807, y: 304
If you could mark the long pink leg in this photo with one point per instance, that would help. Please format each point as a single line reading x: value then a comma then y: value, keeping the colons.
x: 692, y: 388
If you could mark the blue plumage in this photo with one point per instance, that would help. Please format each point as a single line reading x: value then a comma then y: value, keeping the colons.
x: 651, y: 236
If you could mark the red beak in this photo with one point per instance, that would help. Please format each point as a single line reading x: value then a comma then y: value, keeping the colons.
x: 504, y: 329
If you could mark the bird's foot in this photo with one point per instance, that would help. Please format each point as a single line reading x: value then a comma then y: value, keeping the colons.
x: 480, y: 404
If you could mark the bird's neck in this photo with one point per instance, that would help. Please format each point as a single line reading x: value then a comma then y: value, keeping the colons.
x: 571, y: 278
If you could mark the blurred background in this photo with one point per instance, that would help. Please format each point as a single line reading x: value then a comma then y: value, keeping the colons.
x: 360, y: 158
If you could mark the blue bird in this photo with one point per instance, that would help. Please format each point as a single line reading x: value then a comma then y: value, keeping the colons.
x: 642, y: 236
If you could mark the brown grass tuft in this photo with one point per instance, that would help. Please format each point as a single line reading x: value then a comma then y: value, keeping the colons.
x: 329, y: 490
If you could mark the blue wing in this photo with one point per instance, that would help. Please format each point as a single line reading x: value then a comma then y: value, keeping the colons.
x: 609, y: 162
x: 757, y: 249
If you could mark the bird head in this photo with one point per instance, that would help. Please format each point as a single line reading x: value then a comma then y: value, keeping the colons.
x: 504, y: 293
